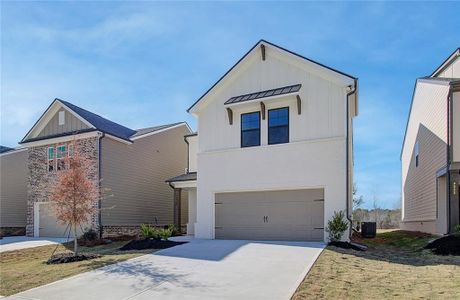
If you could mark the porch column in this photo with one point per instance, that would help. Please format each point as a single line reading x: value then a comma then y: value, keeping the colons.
x: 177, y: 207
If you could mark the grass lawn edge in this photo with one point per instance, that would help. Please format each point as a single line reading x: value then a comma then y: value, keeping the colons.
x: 304, y: 273
x: 74, y: 275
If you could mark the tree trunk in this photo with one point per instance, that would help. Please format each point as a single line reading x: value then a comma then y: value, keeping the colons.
x: 75, y: 243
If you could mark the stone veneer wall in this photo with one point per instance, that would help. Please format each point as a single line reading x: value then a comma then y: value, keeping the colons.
x: 41, y: 181
x: 114, y: 231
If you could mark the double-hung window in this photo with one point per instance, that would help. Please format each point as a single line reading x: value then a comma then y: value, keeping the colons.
x: 61, y: 154
x: 250, y: 129
x: 278, y: 126
x: 50, y: 159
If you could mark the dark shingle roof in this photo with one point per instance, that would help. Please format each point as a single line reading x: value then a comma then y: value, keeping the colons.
x: 101, y: 123
x: 184, y: 177
x: 4, y: 149
x: 147, y: 130
x: 263, y: 94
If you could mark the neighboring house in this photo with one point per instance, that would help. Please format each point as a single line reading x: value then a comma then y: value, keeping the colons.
x: 273, y: 157
x: 131, y: 164
x: 431, y: 152
x: 13, y: 189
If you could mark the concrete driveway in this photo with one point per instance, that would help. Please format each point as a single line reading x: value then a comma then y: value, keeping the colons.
x: 22, y: 242
x: 201, y: 269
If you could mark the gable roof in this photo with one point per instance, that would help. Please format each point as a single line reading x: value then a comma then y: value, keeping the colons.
x: 98, y: 123
x: 4, y: 149
x: 262, y: 41
x: 101, y: 123
x: 446, y: 63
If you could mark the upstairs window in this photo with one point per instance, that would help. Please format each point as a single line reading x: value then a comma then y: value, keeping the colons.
x: 51, y: 159
x: 250, y: 129
x: 278, y: 126
x: 417, y: 154
x: 61, y: 154
x: 70, y: 152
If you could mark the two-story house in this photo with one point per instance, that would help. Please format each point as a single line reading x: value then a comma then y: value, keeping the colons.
x: 430, y: 155
x: 131, y: 164
x: 273, y: 157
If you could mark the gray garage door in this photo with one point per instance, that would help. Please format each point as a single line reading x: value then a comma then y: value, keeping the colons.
x: 49, y: 226
x: 296, y: 215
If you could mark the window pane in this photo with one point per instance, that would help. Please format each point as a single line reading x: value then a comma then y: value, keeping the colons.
x: 250, y: 121
x: 278, y: 126
x: 278, y: 135
x: 61, y: 151
x: 278, y: 117
x: 50, y: 153
x: 250, y: 138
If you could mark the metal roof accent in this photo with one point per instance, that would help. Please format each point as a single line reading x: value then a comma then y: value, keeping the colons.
x: 264, y: 94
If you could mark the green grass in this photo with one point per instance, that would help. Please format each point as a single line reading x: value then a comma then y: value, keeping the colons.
x: 394, y: 267
x: 24, y: 269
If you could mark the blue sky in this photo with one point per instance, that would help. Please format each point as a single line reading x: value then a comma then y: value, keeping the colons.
x: 144, y: 63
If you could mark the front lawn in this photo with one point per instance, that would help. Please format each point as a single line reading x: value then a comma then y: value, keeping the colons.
x: 24, y: 269
x: 392, y: 267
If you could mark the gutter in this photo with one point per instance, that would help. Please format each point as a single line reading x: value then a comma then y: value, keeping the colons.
x: 188, y: 152
x: 350, y: 229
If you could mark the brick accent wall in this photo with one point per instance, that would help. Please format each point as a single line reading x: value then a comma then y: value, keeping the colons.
x: 41, y: 181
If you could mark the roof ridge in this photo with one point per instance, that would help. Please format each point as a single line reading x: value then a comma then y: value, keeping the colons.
x: 162, y: 125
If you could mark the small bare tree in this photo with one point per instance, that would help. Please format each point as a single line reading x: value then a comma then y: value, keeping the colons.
x: 357, y: 200
x: 74, y: 195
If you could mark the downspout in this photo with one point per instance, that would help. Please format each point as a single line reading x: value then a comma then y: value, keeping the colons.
x: 188, y: 154
x: 350, y: 228
x: 449, y: 139
x: 99, y: 204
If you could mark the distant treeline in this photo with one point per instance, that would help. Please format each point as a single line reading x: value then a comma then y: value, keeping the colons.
x: 385, y: 218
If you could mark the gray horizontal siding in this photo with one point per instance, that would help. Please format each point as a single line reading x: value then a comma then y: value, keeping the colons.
x: 13, y: 189
x: 136, y: 174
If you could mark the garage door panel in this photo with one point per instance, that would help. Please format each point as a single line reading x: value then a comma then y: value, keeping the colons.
x: 49, y: 225
x: 270, y: 215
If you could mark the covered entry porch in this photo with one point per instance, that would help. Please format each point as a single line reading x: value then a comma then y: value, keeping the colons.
x: 185, y: 183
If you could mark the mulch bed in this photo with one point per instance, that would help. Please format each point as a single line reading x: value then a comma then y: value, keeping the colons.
x: 93, y: 243
x: 348, y: 245
x: 63, y: 258
x: 149, y: 244
x: 447, y: 245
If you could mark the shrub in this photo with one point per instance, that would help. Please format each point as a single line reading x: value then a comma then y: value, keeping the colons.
x: 457, y: 228
x: 165, y: 234
x: 336, y: 226
x: 174, y: 230
x: 147, y: 232
x: 90, y: 235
